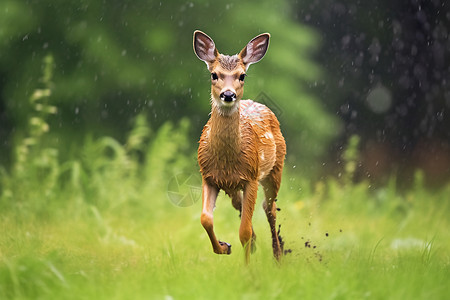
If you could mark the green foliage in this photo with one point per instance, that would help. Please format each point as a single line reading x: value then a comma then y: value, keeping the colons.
x: 138, y: 165
x: 114, y: 61
x: 35, y: 163
x: 351, y: 157
x: 102, y: 174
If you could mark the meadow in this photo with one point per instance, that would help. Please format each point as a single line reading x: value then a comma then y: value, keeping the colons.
x: 121, y: 221
x: 104, y: 225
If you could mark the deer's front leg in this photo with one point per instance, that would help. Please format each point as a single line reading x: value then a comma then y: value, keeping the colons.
x: 248, y: 206
x: 209, y: 196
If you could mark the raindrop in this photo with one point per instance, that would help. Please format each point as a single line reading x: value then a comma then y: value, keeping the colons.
x: 345, y: 108
x: 379, y: 99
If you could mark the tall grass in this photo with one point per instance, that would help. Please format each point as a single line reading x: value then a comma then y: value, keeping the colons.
x: 100, y: 226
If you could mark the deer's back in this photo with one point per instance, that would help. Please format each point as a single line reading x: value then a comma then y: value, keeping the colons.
x: 264, y: 124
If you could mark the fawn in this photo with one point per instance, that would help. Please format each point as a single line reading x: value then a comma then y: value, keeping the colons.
x: 240, y: 146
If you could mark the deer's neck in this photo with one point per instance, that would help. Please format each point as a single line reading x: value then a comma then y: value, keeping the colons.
x: 225, y: 135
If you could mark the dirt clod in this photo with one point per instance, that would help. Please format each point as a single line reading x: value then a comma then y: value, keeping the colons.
x: 280, y: 240
x: 308, y: 244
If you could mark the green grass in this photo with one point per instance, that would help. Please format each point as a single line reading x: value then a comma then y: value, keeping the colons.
x: 396, y: 247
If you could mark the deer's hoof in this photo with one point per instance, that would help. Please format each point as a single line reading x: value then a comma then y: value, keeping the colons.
x: 225, y: 247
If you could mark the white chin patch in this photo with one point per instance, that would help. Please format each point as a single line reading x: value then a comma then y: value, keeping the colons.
x: 222, y: 103
x: 226, y: 107
x: 227, y: 103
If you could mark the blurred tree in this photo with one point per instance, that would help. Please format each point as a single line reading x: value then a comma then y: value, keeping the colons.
x: 115, y: 59
x: 388, y: 72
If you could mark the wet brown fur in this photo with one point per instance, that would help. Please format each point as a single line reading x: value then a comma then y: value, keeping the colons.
x: 230, y: 147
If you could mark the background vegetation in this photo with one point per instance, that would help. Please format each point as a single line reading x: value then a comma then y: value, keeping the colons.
x: 100, y: 110
x: 114, y: 60
x: 387, y: 79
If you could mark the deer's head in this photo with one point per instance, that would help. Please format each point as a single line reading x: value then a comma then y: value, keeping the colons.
x: 228, y: 72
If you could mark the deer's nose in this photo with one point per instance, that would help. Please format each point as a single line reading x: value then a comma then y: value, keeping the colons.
x: 228, y: 96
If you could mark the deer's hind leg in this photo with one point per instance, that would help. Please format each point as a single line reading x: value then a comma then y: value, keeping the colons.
x: 271, y: 187
x: 236, y: 200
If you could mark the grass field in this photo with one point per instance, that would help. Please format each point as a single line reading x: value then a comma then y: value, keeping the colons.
x: 347, y: 242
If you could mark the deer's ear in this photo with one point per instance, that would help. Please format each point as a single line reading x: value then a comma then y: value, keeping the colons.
x: 255, y: 49
x: 204, y: 47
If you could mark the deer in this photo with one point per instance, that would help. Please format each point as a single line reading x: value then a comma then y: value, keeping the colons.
x: 241, y: 145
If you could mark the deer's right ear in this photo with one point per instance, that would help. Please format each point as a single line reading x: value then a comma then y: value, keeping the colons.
x: 204, y: 47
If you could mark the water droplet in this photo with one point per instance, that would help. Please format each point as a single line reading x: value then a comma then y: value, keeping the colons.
x: 379, y: 99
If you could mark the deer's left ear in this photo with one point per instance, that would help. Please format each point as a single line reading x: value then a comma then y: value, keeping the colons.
x: 255, y: 49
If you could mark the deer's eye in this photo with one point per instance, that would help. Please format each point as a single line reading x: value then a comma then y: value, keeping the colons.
x: 242, y: 77
x: 214, y: 76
